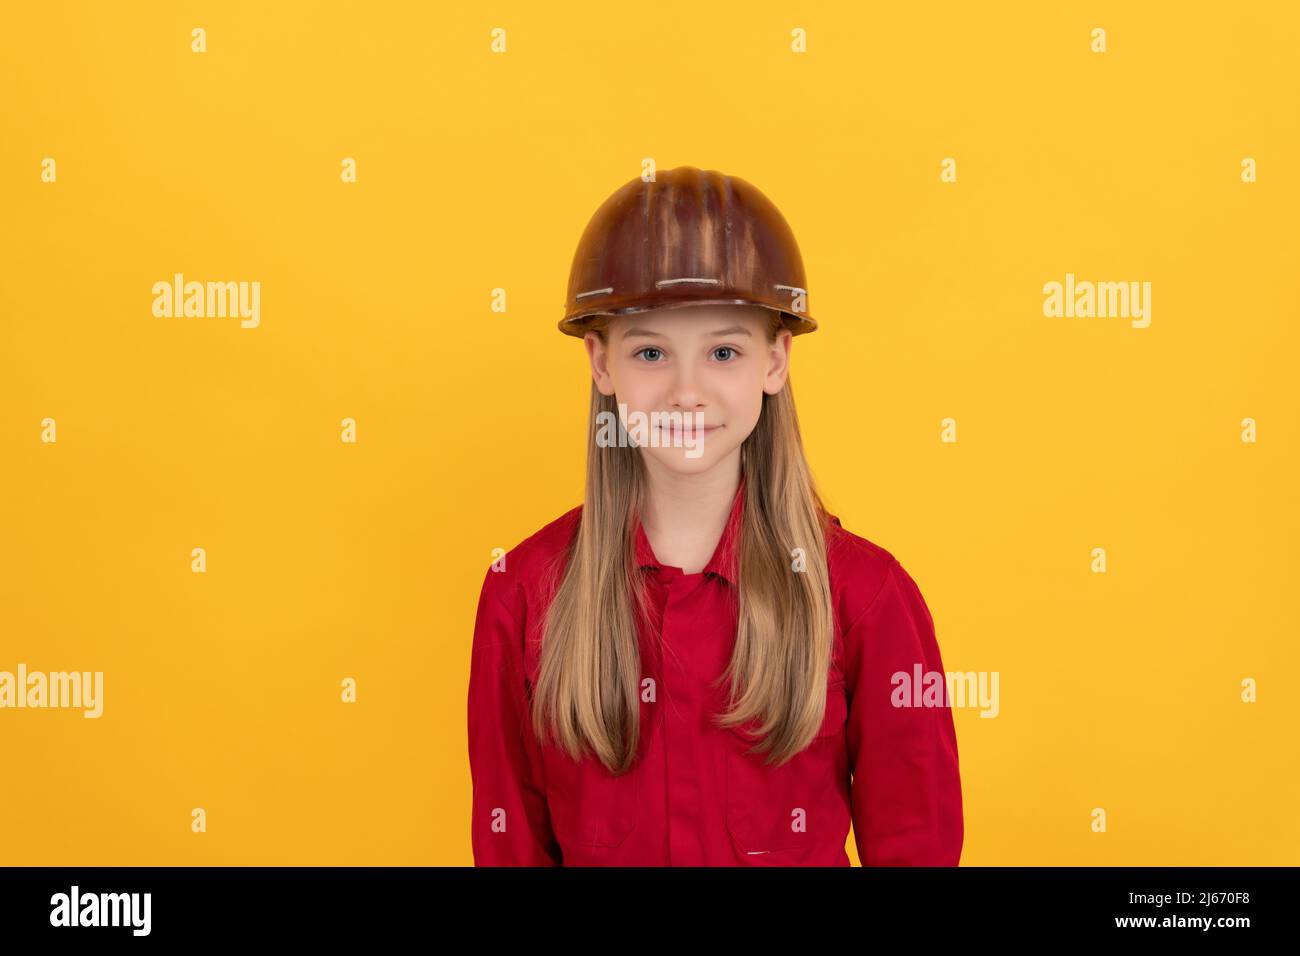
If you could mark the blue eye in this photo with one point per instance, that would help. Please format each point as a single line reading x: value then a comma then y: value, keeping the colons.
x: 649, y: 352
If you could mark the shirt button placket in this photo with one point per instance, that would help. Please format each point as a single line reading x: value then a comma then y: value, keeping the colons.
x: 680, y: 715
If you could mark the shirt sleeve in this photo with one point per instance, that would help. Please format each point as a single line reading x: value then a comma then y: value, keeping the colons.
x: 906, y: 789
x: 510, y: 823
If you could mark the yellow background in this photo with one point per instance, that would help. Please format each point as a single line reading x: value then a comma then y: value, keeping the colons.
x: 478, y: 171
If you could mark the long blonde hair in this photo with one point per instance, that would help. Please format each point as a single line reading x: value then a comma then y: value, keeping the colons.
x: 587, y: 693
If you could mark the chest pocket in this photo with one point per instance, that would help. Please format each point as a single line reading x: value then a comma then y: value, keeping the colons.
x: 799, y: 804
x: 589, y: 806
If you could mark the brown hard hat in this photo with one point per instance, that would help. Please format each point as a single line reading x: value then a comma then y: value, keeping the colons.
x: 691, y: 237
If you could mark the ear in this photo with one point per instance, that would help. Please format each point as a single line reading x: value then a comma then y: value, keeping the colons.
x: 778, y: 362
x: 598, y: 355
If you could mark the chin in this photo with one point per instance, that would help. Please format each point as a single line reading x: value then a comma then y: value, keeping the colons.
x: 676, y: 461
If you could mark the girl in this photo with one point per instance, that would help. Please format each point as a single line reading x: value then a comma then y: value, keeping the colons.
x: 699, y: 666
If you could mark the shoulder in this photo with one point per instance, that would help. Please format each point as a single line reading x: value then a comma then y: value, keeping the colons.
x: 884, y: 625
x: 545, y: 545
x: 882, y: 619
x: 861, y: 572
x: 516, y: 589
x: 534, y: 564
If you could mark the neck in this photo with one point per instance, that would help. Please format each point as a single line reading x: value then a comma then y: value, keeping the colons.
x: 684, y: 515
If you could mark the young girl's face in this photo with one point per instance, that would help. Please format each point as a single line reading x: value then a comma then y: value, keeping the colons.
x: 711, y: 363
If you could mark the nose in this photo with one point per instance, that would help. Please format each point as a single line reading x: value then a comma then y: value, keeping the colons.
x: 685, y: 388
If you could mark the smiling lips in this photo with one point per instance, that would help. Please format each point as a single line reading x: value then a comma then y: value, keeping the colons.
x: 688, y: 430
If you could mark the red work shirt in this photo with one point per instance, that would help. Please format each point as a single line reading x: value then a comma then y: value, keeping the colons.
x: 694, y: 797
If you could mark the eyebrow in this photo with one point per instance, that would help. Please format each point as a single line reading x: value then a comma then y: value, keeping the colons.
x: 646, y: 333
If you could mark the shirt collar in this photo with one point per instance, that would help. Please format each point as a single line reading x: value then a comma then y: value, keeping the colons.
x: 723, y: 563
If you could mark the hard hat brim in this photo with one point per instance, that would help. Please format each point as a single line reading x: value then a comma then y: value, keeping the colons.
x: 577, y: 325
